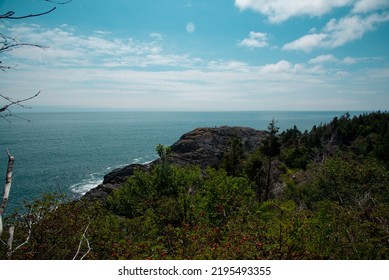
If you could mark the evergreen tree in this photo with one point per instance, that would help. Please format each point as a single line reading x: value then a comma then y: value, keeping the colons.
x: 233, y: 157
x: 271, y: 149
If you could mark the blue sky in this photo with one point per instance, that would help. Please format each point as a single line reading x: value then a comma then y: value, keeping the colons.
x: 201, y: 55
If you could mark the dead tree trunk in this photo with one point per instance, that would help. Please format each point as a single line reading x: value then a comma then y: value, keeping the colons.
x: 7, y: 188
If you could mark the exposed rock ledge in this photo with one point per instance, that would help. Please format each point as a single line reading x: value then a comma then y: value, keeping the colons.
x: 202, y: 146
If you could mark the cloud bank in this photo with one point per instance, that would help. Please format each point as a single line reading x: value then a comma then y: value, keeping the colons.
x: 338, y: 32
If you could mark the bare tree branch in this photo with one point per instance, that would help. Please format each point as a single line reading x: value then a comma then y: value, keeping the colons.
x: 60, y: 3
x: 10, y: 240
x: 8, y: 182
x: 7, y: 48
x: 16, y: 102
x: 89, y: 249
x: 8, y: 44
x: 80, y: 244
x: 29, y: 225
x: 9, y: 15
x: 7, y: 188
x: 10, y: 114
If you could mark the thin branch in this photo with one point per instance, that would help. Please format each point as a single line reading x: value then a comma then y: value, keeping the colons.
x: 11, y: 235
x: 4, y: 68
x: 14, y: 116
x: 9, y: 15
x: 89, y: 249
x: 8, y: 44
x: 80, y: 244
x: 1, y: 227
x: 7, y: 48
x: 60, y: 3
x: 16, y: 102
x: 258, y: 173
x: 5, y: 117
x: 29, y: 224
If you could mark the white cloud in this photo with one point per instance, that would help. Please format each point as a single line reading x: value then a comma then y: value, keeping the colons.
x: 281, y: 66
x: 156, y: 36
x: 280, y: 10
x: 67, y: 48
x: 343, y: 74
x: 351, y: 28
x: 323, y: 59
x: 306, y: 43
x: 98, y: 32
x: 339, y: 32
x: 365, y: 6
x: 96, y: 71
x: 279, y: 86
x: 350, y: 60
x: 255, y: 40
x: 230, y: 65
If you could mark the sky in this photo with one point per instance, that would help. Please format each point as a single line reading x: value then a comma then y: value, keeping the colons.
x: 200, y: 55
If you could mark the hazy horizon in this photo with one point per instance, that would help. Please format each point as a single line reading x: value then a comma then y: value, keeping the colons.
x: 65, y: 109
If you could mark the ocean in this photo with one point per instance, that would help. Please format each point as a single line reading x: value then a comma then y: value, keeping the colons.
x: 70, y: 152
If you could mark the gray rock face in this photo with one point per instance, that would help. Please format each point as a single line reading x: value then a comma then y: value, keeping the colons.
x: 119, y: 175
x: 203, y: 147
x: 206, y: 146
x: 114, y: 180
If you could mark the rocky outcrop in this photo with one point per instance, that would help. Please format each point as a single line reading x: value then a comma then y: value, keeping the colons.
x: 206, y: 146
x: 114, y: 180
x: 203, y: 147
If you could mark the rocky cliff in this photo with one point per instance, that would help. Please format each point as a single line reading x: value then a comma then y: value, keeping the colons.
x: 203, y: 147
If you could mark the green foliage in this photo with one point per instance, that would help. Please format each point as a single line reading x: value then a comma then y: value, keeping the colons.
x: 253, y: 169
x: 291, y: 137
x: 334, y: 205
x: 346, y: 179
x: 271, y: 148
x: 163, y: 151
x: 232, y: 161
x: 272, y: 144
x: 296, y: 157
x: 222, y: 196
x: 147, y: 190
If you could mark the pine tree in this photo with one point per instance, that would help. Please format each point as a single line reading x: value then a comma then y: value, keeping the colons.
x: 271, y: 149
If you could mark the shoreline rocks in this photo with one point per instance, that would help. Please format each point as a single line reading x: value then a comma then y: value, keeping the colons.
x: 202, y: 146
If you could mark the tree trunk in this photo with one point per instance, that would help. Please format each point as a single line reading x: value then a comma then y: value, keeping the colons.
x: 268, y: 180
x: 7, y: 188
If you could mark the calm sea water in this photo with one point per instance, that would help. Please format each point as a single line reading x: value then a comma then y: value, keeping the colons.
x: 71, y: 152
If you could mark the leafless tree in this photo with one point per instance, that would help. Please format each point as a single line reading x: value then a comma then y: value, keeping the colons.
x: 7, y: 188
x: 7, y: 44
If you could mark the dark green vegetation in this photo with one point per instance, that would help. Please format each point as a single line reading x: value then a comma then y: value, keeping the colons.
x: 322, y: 194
